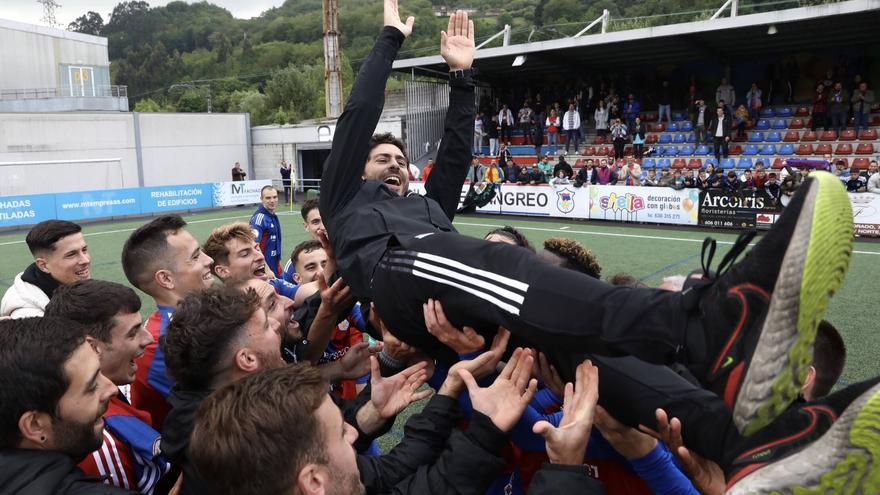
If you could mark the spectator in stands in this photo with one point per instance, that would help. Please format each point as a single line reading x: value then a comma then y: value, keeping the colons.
x: 874, y: 178
x: 725, y: 95
x: 492, y: 132
x: 703, y: 181
x: 494, y: 175
x: 820, y: 106
x: 505, y: 120
x: 586, y: 175
x: 54, y: 396
x: 856, y: 183
x: 638, y: 137
x: 772, y: 187
x: 691, y: 179
x: 429, y: 167
x: 165, y: 261
x: 871, y: 170
x: 285, y: 179
x: 840, y: 170
x: 700, y: 121
x: 747, y: 182
x: 740, y: 119
x: 753, y: 100
x: 631, y: 110
x: 546, y: 168
x: 601, y: 117
x: 525, y: 122
x: 838, y: 106
x: 533, y: 176
x: 238, y: 173
x: 605, y: 175
x: 790, y: 184
x: 719, y: 129
x: 478, y: 134
x: 828, y: 82
x: 651, y: 179
x: 632, y: 172
x: 664, y: 102
x: 665, y: 179
x: 61, y: 256
x: 571, y: 123
x: 732, y: 182
x: 538, y: 129
x: 110, y: 313
x: 862, y: 100
x: 552, y: 124
x: 710, y: 169
x: 619, y: 137
x: 677, y: 180
x: 716, y: 181
x: 760, y: 178
x: 560, y: 179
x: 563, y: 166
x: 505, y: 161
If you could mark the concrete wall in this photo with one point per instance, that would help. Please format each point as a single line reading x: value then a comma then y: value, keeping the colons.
x: 31, y: 55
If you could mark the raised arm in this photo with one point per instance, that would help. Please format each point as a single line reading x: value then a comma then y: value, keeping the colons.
x: 454, y: 155
x: 345, y: 165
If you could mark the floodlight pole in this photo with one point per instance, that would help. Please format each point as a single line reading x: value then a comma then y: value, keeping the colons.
x: 332, y: 62
x: 505, y: 32
x: 602, y: 18
x: 734, y: 6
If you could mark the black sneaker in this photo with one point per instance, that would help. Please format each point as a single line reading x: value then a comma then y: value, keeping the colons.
x: 814, y: 455
x: 759, y: 316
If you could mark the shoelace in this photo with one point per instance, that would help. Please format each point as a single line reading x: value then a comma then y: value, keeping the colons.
x: 709, y: 246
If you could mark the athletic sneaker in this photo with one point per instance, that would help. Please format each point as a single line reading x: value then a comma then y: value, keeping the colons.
x: 759, y: 316
x: 844, y: 459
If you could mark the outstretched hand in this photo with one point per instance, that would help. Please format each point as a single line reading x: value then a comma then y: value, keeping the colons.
x: 392, y: 18
x: 567, y: 444
x: 481, y: 366
x: 393, y: 394
x: 461, y: 341
x: 457, y: 42
x: 505, y: 400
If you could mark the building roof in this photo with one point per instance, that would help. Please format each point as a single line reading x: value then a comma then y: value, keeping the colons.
x: 52, y: 32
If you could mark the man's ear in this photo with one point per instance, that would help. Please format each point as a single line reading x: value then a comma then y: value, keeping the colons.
x: 807, y: 388
x: 247, y: 360
x: 35, y: 427
x: 164, y: 279
x: 41, y: 264
x: 222, y: 271
x: 96, y: 344
x: 313, y: 480
x: 296, y: 278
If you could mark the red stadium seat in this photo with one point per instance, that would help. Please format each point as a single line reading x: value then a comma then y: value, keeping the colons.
x: 695, y: 164
x: 777, y: 164
x: 792, y: 137
x: 802, y: 112
x: 735, y: 150
x: 823, y: 149
x: 809, y: 136
x: 651, y: 139
x: 679, y: 163
x: 865, y: 149
x: 861, y: 163
x: 590, y: 151
x: 828, y: 136
x: 599, y: 140
x: 848, y: 135
x: 841, y: 159
x: 658, y: 127
x: 868, y: 134
x: 844, y: 149
x: 796, y: 124
x: 875, y: 120
x: 804, y: 150
x: 603, y: 151
x: 750, y: 124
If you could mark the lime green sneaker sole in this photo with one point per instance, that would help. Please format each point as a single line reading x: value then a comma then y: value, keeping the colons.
x: 813, y: 268
x: 844, y: 461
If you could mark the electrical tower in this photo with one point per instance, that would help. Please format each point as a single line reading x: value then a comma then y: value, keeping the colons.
x: 49, y: 7
x: 332, y: 60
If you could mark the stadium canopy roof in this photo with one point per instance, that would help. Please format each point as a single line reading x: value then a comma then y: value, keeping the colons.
x: 836, y: 25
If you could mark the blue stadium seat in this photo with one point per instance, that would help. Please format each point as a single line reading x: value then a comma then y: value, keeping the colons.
x: 773, y: 137
x: 744, y: 163
x: 678, y: 117
x: 783, y: 112
x: 780, y: 124
x: 648, y: 163
x: 673, y: 127
x: 787, y: 149
x: 686, y: 150
x: 691, y: 138
x: 671, y: 151
x: 751, y: 149
x: 659, y: 151
x: 678, y: 139
x: 686, y: 126
x: 703, y: 150
x: 756, y: 137
x: 665, y: 138
x: 762, y: 125
x: 768, y: 149
x: 664, y: 163
x: 709, y: 161
x: 728, y: 164
x: 767, y: 112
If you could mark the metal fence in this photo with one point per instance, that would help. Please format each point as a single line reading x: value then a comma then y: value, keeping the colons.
x: 100, y: 91
x: 426, y: 105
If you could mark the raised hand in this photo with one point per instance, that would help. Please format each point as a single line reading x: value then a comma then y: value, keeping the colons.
x: 463, y: 341
x: 392, y: 394
x: 567, y: 444
x: 548, y: 375
x: 457, y: 42
x: 479, y: 367
x: 356, y: 362
x: 505, y: 400
x: 392, y: 18
x: 335, y: 297
x: 628, y: 442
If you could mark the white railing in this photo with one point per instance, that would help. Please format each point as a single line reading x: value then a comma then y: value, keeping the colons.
x: 99, y: 91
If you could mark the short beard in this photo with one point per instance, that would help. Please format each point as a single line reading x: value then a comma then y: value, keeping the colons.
x: 346, y: 484
x: 75, y: 439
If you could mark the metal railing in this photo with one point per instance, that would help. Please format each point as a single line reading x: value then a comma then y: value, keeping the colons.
x: 99, y: 91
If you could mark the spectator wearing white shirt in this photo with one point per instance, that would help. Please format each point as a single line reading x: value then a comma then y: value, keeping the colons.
x: 571, y: 124
x: 505, y: 120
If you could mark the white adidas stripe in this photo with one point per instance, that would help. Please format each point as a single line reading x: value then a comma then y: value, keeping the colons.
x: 516, y: 284
x: 500, y: 291
x: 486, y: 297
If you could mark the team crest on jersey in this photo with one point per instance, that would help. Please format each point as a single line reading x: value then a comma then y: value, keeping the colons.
x: 343, y: 325
x: 565, y: 200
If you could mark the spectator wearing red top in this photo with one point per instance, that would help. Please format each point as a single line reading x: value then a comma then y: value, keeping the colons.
x: 552, y: 124
x: 427, y: 170
x: 820, y: 107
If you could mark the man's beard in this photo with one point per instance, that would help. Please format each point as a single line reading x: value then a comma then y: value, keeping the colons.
x: 76, y: 439
x: 346, y: 484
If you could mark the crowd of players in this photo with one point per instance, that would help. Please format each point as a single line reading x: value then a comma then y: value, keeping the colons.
x: 253, y: 378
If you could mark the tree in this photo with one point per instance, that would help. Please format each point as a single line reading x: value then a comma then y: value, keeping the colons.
x: 297, y: 90
x: 220, y: 42
x: 90, y: 23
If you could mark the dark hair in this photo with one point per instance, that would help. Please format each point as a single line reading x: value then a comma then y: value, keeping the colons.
x: 204, y: 326
x: 308, y: 206
x: 254, y: 435
x: 215, y: 244
x: 829, y: 357
x: 144, y: 251
x: 388, y: 138
x: 305, y: 246
x: 514, y: 235
x: 44, y: 235
x: 94, y: 304
x: 33, y: 352
x: 576, y: 257
x: 626, y: 280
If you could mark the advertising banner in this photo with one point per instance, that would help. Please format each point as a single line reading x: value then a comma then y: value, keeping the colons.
x: 245, y: 192
x: 97, y: 204
x: 176, y: 198
x: 739, y: 210
x: 26, y: 210
x: 866, y: 213
x: 644, y: 204
x: 564, y: 201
